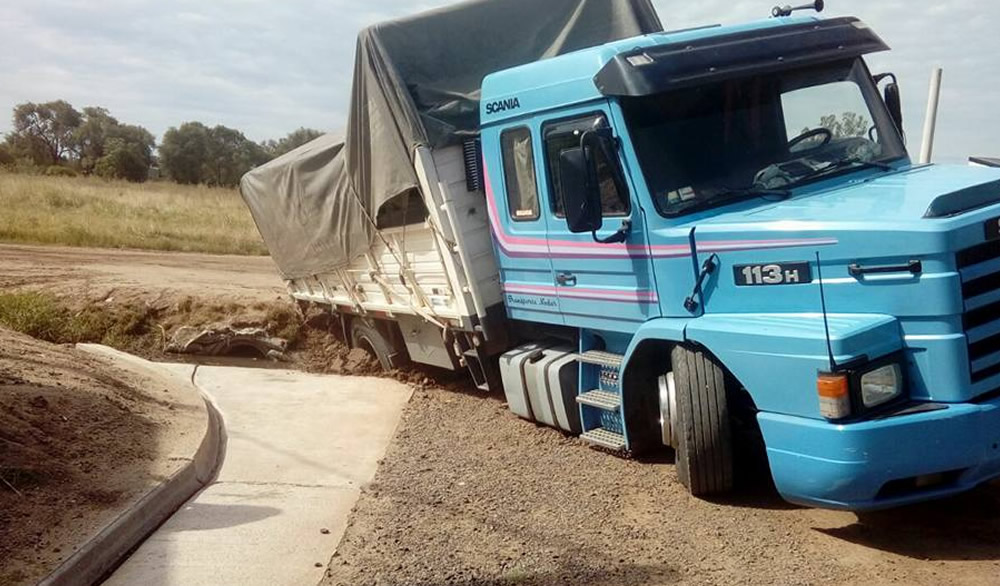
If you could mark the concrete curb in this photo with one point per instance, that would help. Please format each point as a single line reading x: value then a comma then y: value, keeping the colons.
x: 95, y: 559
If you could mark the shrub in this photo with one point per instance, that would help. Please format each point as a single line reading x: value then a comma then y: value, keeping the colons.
x: 60, y: 171
x: 43, y: 316
x: 35, y: 314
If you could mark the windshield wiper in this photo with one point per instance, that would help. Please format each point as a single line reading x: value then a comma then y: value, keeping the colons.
x: 754, y: 191
x: 852, y: 164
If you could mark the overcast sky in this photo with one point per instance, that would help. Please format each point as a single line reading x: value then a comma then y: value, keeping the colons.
x: 269, y: 66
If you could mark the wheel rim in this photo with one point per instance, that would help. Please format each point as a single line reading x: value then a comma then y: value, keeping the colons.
x: 668, y: 409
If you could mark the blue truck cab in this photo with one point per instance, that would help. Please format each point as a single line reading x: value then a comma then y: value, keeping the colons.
x: 728, y: 223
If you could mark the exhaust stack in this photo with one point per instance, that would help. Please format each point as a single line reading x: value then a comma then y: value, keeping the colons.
x: 930, y: 122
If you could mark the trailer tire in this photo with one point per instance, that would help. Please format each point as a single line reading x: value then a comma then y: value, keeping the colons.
x: 704, y: 438
x: 370, y: 339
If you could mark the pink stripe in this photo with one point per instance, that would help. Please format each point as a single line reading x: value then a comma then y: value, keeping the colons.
x: 586, y: 293
x: 514, y: 245
x: 542, y: 245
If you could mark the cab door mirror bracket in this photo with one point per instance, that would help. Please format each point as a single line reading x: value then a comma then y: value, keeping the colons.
x: 621, y: 235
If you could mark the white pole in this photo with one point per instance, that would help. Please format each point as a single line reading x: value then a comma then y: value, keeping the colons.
x: 930, y: 123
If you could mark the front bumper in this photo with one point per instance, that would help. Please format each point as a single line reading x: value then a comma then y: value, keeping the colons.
x: 860, y: 466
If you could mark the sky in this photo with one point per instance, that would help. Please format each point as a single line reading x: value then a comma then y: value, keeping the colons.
x: 267, y: 67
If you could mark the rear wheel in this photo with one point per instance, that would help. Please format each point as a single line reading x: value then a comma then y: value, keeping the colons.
x: 370, y: 339
x: 701, y: 429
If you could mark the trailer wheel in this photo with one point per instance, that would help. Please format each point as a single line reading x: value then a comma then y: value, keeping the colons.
x: 703, y: 436
x: 371, y: 340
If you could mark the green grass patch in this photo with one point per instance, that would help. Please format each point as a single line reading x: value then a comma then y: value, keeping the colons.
x: 42, y: 316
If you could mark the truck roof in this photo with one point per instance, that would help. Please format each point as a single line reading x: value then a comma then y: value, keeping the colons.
x: 569, y: 79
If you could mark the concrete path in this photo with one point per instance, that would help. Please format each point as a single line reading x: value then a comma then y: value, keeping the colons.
x: 299, y: 449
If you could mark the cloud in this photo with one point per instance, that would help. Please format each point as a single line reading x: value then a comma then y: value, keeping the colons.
x: 268, y: 67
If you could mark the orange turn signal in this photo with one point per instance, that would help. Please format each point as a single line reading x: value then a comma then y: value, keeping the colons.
x: 832, y: 386
x: 834, y: 395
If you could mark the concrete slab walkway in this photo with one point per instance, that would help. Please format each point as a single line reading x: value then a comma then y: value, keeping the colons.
x: 299, y: 449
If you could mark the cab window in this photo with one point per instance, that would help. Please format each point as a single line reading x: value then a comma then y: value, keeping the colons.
x: 519, y: 174
x: 564, y: 135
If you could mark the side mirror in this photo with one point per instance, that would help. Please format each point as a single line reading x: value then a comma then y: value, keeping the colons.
x: 582, y: 198
x: 894, y: 103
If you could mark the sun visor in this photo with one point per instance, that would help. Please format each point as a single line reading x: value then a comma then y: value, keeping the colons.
x: 672, y: 66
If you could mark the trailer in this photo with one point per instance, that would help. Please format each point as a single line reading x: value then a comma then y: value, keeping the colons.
x: 398, y: 235
x: 712, y: 241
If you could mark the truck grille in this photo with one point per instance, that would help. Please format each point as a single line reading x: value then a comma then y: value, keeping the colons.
x: 980, y: 270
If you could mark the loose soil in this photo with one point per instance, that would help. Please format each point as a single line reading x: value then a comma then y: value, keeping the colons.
x: 468, y: 494
x: 90, y: 273
x: 79, y: 441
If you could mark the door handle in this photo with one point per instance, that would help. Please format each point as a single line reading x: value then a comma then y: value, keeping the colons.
x: 566, y: 279
x: 914, y: 267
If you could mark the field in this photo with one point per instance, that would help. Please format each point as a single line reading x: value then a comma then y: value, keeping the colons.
x: 80, y: 211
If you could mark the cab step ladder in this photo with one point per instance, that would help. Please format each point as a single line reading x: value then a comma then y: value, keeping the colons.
x: 600, y: 406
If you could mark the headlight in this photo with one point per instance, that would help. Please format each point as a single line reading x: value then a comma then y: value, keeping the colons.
x: 881, y: 385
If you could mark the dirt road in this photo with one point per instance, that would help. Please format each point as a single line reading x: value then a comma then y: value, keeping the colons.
x: 90, y: 272
x: 470, y: 495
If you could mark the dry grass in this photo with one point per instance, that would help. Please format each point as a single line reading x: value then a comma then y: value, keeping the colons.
x: 78, y: 211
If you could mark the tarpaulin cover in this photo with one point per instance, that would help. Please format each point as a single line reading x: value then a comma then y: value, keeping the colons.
x: 416, y: 82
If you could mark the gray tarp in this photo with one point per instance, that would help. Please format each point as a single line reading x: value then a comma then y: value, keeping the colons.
x: 416, y: 82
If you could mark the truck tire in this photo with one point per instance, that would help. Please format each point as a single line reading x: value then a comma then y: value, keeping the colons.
x: 370, y: 339
x: 704, y: 450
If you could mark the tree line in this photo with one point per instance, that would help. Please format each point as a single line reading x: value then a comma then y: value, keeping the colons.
x: 56, y: 138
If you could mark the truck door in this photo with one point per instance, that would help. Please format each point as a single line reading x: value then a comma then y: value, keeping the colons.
x: 520, y: 228
x: 601, y: 286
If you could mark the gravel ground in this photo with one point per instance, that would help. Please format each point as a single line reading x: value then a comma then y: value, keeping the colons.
x: 469, y: 494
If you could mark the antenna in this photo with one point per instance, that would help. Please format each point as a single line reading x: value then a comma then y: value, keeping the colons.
x: 826, y: 321
x: 779, y: 11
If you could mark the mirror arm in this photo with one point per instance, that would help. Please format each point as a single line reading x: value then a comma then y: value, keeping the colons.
x: 620, y: 236
x: 880, y: 77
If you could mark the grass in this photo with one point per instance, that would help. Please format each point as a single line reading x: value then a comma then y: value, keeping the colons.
x: 135, y: 326
x: 85, y: 211
x: 43, y: 316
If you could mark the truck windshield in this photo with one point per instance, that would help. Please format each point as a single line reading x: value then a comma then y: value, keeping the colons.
x: 710, y: 145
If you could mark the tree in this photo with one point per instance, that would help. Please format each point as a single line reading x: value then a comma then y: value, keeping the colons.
x: 126, y: 158
x: 230, y: 155
x: 112, y: 149
x: 6, y: 158
x: 295, y: 139
x: 183, y: 151
x: 45, y: 132
x: 195, y: 153
x: 97, y: 128
x: 849, y: 125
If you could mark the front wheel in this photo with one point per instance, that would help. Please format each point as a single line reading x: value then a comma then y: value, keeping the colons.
x: 701, y: 430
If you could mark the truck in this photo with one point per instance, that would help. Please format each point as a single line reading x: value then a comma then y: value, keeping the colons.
x: 711, y: 241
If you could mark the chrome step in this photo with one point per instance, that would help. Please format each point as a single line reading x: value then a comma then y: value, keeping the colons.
x: 601, y: 399
x: 601, y: 358
x: 605, y: 439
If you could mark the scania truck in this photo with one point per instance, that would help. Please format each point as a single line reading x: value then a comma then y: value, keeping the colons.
x: 707, y: 241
